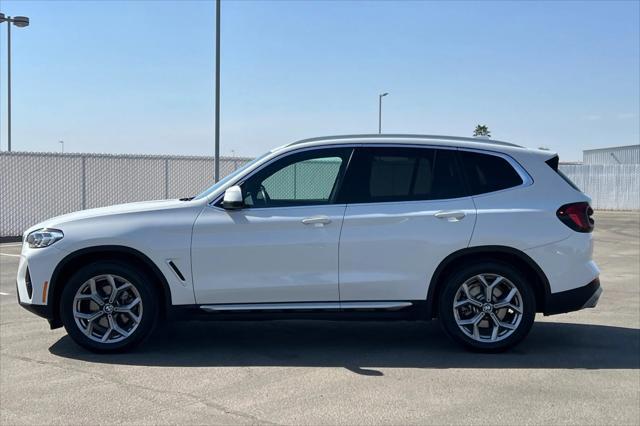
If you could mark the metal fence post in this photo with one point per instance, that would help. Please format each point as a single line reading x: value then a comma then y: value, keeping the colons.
x: 295, y: 180
x: 166, y: 178
x: 84, y: 183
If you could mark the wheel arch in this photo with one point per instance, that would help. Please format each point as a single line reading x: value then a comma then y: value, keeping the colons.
x: 67, y: 266
x: 510, y: 255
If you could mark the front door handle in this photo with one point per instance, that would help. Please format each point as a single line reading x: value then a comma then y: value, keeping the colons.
x: 451, y: 216
x: 316, y: 220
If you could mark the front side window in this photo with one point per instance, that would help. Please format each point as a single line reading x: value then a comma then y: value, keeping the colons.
x: 306, y: 178
x: 488, y: 173
x: 402, y: 174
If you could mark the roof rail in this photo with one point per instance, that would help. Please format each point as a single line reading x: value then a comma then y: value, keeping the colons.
x: 408, y: 136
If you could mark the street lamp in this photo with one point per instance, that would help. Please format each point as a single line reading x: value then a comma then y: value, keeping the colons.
x: 217, y: 99
x: 380, y: 96
x: 20, y: 22
x: 61, y: 142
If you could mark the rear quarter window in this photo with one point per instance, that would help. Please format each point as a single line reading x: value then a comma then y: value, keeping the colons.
x: 488, y: 173
x: 554, y: 163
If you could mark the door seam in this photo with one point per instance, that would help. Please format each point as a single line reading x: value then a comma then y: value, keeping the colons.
x: 344, y: 214
x: 475, y: 222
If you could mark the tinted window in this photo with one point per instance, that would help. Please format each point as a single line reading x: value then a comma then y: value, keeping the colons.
x: 402, y: 174
x: 306, y: 178
x: 391, y: 176
x: 488, y: 173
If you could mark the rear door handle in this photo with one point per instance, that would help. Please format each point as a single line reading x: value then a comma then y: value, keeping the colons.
x: 316, y: 220
x: 451, y: 216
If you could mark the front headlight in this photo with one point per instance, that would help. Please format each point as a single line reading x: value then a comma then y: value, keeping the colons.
x: 44, y: 237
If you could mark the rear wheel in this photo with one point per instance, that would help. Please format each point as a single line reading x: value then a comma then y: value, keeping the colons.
x: 108, y: 307
x: 488, y: 306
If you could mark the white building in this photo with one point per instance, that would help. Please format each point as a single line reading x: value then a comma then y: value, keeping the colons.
x: 629, y: 154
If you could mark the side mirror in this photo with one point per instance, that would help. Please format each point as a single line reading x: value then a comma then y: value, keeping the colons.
x: 233, y: 198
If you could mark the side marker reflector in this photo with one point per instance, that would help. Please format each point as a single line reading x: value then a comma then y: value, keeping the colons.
x: 44, y: 291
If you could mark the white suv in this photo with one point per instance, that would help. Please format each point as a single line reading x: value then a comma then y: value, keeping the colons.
x: 478, y: 233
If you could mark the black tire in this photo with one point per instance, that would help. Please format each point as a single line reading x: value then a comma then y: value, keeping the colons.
x: 142, y: 284
x: 448, y: 296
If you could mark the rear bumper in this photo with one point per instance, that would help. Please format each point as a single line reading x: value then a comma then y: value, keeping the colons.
x: 574, y: 299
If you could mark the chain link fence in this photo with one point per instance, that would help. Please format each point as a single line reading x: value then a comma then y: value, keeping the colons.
x: 37, y: 186
x: 305, y: 180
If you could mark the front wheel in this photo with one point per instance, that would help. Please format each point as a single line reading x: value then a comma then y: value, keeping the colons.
x: 488, y: 306
x: 108, y: 307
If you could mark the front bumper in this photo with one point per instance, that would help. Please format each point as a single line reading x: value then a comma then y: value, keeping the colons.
x: 573, y: 300
x: 41, y: 310
x: 44, y: 311
x: 34, y: 278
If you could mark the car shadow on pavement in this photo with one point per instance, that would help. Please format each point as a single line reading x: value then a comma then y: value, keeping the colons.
x: 362, y: 347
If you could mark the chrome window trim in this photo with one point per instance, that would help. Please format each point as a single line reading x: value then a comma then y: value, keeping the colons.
x: 527, y: 180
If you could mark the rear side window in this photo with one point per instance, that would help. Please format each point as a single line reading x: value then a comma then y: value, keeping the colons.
x: 402, y: 174
x: 488, y: 173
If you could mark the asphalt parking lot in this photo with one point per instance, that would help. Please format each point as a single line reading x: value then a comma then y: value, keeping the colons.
x: 578, y: 368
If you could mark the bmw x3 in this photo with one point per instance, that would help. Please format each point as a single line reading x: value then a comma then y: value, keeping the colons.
x: 480, y: 234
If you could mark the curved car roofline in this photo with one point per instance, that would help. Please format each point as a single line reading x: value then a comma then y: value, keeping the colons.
x: 407, y: 136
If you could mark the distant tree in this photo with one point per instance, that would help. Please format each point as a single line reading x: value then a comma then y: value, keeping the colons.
x: 482, y: 130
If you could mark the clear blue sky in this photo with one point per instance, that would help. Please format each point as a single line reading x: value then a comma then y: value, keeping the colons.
x: 137, y: 76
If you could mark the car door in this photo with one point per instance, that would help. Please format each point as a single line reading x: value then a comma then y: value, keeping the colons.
x: 283, y: 245
x: 407, y: 210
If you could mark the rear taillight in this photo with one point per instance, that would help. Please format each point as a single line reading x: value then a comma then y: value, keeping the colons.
x: 577, y: 216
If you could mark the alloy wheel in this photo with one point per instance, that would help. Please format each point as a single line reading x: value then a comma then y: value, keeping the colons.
x: 107, y: 308
x: 488, y: 308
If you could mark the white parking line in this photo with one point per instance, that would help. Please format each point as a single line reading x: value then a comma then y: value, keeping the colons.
x: 2, y: 293
x: 7, y: 254
x: 10, y: 244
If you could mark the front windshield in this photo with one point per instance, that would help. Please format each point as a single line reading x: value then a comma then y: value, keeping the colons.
x: 229, y: 177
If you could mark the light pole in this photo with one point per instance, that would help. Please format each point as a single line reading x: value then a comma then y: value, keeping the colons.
x: 217, y: 113
x: 20, y: 22
x: 380, y: 96
x: 61, y: 142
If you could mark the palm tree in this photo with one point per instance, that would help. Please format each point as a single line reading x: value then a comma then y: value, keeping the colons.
x: 482, y: 131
